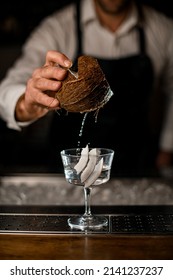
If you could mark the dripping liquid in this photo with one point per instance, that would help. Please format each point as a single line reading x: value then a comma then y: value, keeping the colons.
x: 106, y: 99
x: 81, y: 129
x: 82, y: 126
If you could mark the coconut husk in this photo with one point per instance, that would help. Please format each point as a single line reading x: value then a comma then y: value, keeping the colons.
x: 89, y: 92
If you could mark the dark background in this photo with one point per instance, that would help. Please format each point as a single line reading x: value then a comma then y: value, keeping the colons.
x: 19, y: 151
x: 18, y: 17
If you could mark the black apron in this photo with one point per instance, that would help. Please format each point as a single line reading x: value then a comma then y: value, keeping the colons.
x: 123, y: 123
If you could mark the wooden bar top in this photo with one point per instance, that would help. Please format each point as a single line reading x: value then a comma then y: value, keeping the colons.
x: 90, y: 247
x: 86, y: 246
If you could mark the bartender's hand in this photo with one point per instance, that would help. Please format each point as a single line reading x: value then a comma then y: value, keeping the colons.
x: 39, y: 96
x: 164, y: 159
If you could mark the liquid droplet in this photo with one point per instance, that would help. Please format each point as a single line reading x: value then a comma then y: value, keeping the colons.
x: 82, y: 128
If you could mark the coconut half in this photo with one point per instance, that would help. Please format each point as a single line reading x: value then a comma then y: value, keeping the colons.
x: 89, y: 91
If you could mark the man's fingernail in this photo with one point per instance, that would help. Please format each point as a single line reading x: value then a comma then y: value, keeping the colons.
x: 67, y: 63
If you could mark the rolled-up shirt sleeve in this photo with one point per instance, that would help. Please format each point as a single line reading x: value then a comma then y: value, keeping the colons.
x: 47, y: 36
x: 8, y: 102
x: 166, y: 138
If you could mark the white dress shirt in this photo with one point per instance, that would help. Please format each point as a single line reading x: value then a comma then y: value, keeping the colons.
x: 58, y: 32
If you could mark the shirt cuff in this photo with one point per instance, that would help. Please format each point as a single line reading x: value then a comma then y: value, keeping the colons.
x: 8, y: 109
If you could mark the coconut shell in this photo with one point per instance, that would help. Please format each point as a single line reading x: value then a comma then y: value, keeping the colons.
x: 89, y: 92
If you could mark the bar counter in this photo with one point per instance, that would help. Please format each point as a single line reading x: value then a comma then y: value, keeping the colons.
x: 29, y: 240
x: 34, y: 212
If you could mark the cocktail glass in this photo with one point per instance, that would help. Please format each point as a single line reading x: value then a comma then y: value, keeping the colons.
x: 87, y: 167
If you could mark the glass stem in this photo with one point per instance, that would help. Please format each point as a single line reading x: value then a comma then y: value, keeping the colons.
x: 87, y: 196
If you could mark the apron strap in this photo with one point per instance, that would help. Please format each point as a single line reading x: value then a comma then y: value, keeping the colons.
x: 79, y: 32
x: 140, y: 27
x: 141, y: 39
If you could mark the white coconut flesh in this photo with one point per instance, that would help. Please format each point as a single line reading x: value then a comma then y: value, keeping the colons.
x: 89, y: 166
x: 83, y: 160
x: 95, y: 174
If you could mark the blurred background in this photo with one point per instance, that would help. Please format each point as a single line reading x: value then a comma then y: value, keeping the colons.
x: 17, y: 19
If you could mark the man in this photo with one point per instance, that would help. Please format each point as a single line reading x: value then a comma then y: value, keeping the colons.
x: 133, y: 45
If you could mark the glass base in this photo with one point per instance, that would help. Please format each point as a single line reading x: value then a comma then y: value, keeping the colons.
x: 84, y: 223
